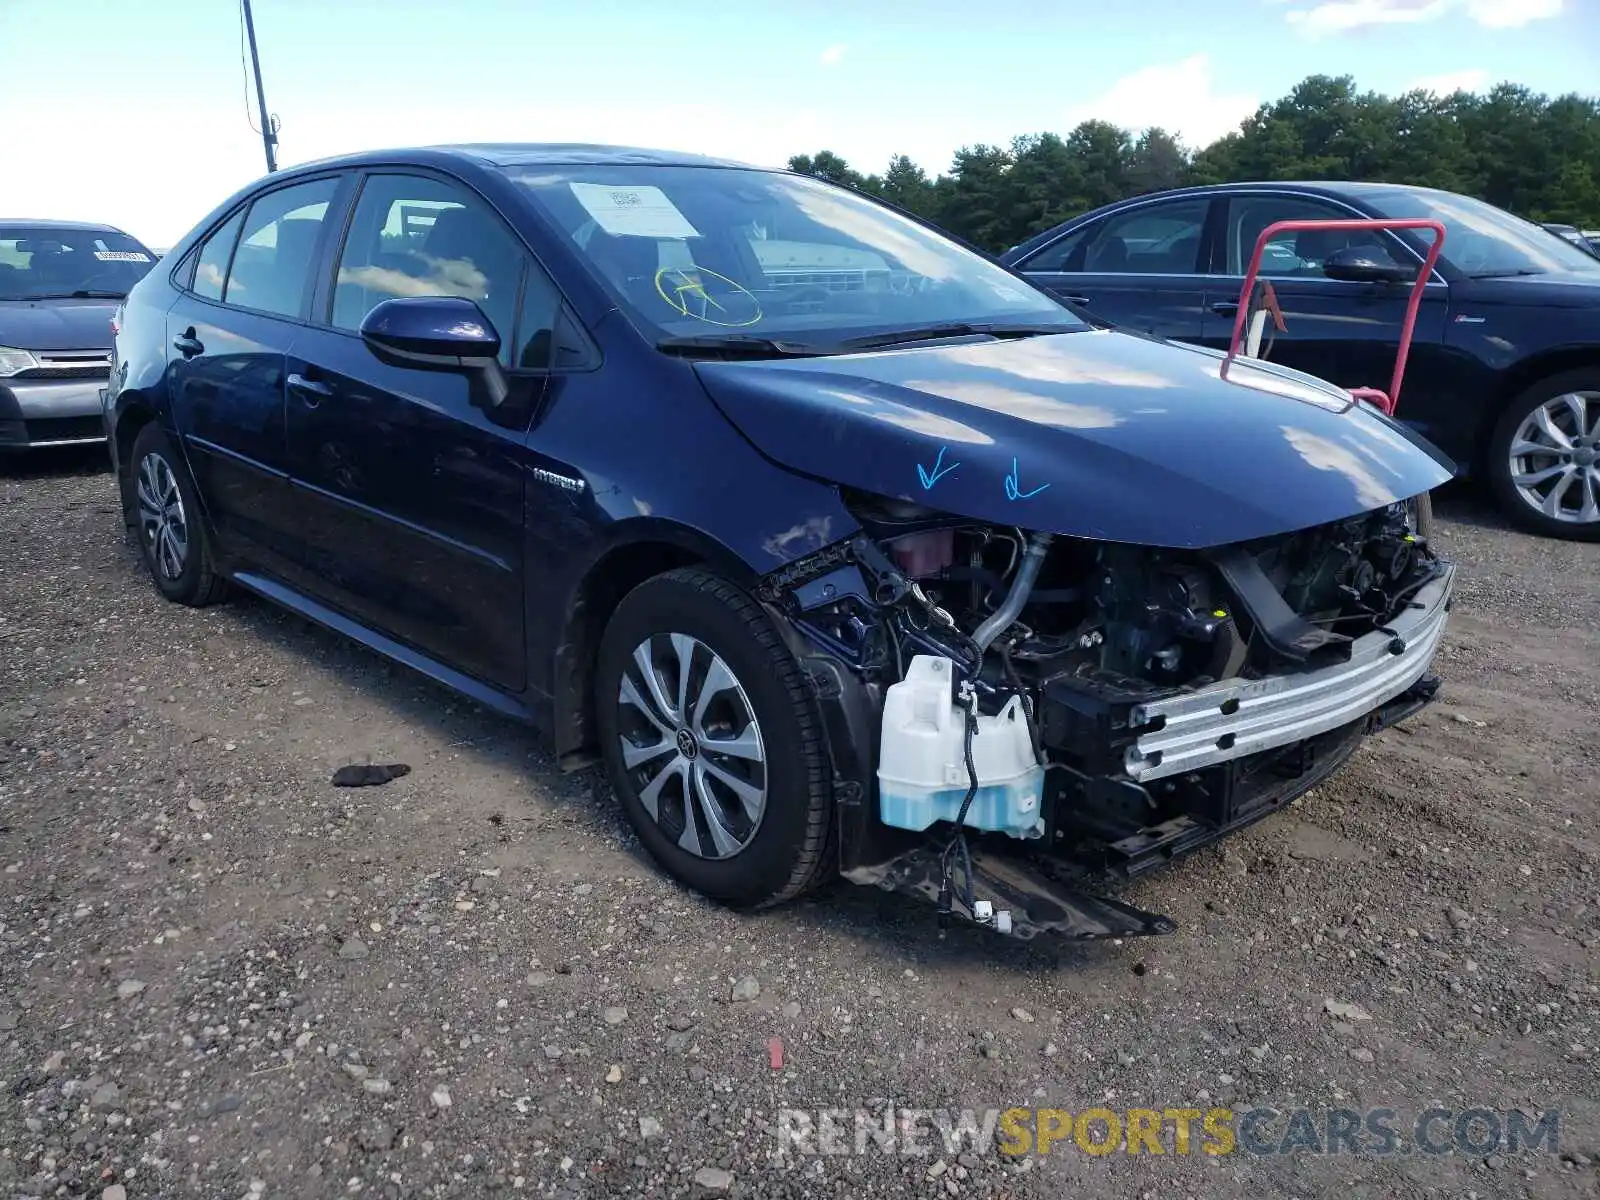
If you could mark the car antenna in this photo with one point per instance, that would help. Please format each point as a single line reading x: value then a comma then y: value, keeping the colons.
x: 269, y: 125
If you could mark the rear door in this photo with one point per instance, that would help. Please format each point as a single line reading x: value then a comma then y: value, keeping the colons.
x: 227, y: 340
x: 411, y: 492
x: 1347, y: 333
x: 1137, y: 268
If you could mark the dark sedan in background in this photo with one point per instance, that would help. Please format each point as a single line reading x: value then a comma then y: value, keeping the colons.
x: 1580, y: 239
x: 60, y: 283
x: 1505, y: 370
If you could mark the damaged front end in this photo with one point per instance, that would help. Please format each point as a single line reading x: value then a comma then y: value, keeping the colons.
x: 1013, y: 714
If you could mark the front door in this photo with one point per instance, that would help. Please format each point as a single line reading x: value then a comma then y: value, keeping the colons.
x: 411, y: 492
x: 1137, y: 269
x: 227, y: 335
x: 1347, y: 333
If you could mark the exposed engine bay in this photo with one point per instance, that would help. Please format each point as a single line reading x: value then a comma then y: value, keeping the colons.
x: 1100, y: 705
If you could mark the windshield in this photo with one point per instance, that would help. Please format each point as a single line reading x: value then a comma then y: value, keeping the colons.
x: 724, y: 253
x: 51, y: 261
x: 1484, y: 241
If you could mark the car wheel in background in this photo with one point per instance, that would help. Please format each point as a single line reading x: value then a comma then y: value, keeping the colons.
x: 167, y: 523
x: 1544, y: 456
x: 711, y: 741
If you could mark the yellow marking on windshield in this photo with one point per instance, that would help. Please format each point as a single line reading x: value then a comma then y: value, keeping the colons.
x: 689, y: 286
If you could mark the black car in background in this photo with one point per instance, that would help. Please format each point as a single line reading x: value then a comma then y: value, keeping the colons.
x: 60, y: 283
x: 1571, y: 233
x: 1505, y: 368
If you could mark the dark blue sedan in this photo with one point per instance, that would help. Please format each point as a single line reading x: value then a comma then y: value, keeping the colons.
x: 843, y: 548
x: 1504, y: 372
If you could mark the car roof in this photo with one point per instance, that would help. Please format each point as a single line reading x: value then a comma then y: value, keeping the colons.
x: 41, y: 223
x: 1333, y: 188
x: 530, y: 154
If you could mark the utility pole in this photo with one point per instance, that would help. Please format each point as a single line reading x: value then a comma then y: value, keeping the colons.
x: 269, y: 136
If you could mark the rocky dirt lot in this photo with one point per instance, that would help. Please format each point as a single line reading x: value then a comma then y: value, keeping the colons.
x: 222, y: 977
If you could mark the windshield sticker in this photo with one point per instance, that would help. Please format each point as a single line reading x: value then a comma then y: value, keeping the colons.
x: 633, y: 211
x: 707, y: 296
x: 121, y: 256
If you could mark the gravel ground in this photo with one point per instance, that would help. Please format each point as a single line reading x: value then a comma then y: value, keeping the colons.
x: 220, y: 976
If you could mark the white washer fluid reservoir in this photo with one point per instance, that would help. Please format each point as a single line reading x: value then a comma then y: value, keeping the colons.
x: 922, y: 768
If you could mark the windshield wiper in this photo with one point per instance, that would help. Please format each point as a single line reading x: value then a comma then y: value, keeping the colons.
x: 740, y: 345
x: 1508, y: 274
x: 928, y: 333
x: 80, y: 294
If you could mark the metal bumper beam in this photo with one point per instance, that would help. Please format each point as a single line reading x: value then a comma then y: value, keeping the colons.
x: 1231, y: 719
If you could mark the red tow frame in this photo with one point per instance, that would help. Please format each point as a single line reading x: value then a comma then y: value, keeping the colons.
x: 1385, y: 401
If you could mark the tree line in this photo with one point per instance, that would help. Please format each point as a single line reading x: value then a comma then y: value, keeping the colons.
x: 1535, y: 155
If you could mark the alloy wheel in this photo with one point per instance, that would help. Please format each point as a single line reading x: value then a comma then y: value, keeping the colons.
x: 1555, y: 458
x: 692, y: 746
x: 163, y: 524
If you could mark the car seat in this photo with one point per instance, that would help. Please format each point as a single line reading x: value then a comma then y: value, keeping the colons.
x: 1109, y: 256
x: 462, y: 235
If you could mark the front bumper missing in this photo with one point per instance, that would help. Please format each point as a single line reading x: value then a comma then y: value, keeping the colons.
x: 1235, y: 718
x: 1022, y: 886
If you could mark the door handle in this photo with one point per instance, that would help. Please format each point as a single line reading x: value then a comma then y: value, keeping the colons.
x: 309, y: 390
x: 1225, y: 308
x: 1080, y: 301
x: 188, y: 345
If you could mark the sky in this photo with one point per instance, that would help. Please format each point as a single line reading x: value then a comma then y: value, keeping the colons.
x: 137, y: 113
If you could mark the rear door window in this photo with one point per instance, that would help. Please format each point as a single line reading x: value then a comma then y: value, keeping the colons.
x: 211, y: 269
x: 272, y: 267
x: 1153, y: 239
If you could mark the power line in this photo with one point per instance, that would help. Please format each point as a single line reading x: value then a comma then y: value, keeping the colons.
x: 244, y: 74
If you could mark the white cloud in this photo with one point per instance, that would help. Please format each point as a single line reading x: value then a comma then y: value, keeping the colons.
x: 1509, y: 14
x: 1342, y: 16
x: 1181, y: 97
x: 1473, y: 79
x: 833, y: 55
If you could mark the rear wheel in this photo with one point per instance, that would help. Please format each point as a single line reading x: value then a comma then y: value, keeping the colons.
x: 711, y: 741
x: 171, y: 535
x: 1544, y: 457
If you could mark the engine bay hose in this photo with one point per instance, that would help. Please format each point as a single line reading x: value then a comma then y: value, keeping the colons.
x: 1017, y: 598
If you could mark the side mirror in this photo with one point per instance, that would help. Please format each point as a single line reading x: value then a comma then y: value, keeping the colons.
x: 442, y: 333
x: 1363, y: 264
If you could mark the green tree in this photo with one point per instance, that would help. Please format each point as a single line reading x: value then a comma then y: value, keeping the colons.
x: 1517, y: 149
x: 907, y: 185
x: 1156, y: 162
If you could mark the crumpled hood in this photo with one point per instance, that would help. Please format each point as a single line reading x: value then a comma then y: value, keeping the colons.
x: 57, y: 324
x: 1096, y: 435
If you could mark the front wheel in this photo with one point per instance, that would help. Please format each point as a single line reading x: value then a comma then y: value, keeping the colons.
x: 1544, y: 457
x: 171, y: 534
x: 711, y: 740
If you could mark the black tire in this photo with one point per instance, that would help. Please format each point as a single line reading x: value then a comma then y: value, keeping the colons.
x: 1516, y: 506
x: 786, y: 853
x: 198, y: 582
